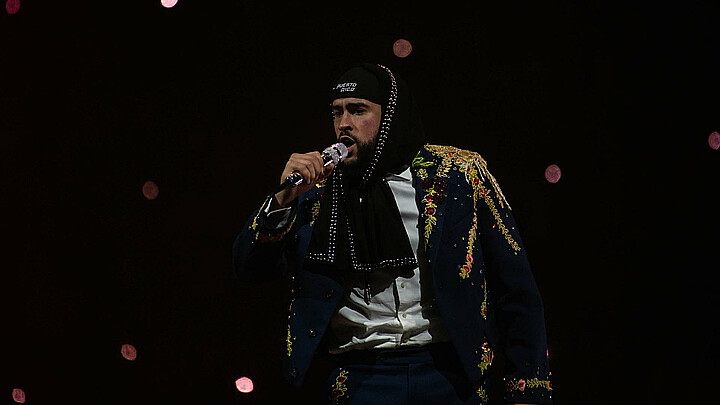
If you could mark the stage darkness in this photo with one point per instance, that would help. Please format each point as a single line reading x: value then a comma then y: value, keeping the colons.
x: 137, y: 139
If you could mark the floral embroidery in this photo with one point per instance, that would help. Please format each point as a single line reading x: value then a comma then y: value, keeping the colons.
x: 521, y: 385
x: 312, y: 207
x: 483, y: 395
x: 339, y: 388
x: 430, y: 219
x: 476, y: 174
x: 315, y: 212
x: 436, y: 190
x: 486, y: 358
x: 465, y: 160
x: 475, y: 169
x: 422, y: 173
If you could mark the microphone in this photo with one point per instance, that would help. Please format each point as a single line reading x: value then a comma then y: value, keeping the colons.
x: 332, y: 154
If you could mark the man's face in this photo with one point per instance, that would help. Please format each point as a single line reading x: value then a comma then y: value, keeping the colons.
x: 356, y: 123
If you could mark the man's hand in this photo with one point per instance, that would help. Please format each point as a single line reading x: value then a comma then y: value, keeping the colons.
x: 310, y: 167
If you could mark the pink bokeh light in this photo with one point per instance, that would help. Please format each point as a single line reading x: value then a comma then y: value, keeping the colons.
x: 402, y: 48
x: 18, y: 395
x: 150, y: 190
x: 244, y: 385
x: 552, y: 173
x: 168, y: 3
x: 714, y: 140
x: 12, y: 6
x: 128, y: 352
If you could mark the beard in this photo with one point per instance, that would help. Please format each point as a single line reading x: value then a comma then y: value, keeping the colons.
x: 354, y: 170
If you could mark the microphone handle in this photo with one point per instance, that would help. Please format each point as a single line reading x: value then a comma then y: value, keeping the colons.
x: 291, y: 180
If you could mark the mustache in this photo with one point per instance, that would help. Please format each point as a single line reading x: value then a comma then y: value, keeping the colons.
x: 347, y: 134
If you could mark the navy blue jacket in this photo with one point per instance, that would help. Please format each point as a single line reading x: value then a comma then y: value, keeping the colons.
x: 481, y: 276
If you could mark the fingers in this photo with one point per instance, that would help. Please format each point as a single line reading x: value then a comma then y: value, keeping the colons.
x: 309, y: 165
x: 326, y: 171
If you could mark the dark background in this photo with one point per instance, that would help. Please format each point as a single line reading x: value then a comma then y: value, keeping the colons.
x: 209, y: 98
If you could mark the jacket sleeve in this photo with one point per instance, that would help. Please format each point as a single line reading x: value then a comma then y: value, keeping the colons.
x: 260, y: 250
x: 514, y: 297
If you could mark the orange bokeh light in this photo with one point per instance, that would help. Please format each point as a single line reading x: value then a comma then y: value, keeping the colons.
x: 402, y: 48
x: 150, y: 190
x: 128, y: 352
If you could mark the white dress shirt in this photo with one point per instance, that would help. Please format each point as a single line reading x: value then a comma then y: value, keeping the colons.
x: 402, y: 310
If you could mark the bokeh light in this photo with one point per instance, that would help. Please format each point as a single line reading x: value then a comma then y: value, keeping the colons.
x: 714, y: 140
x: 150, y: 190
x: 244, y: 385
x: 552, y: 173
x: 402, y: 48
x: 18, y: 395
x: 168, y: 3
x: 12, y: 6
x: 128, y: 352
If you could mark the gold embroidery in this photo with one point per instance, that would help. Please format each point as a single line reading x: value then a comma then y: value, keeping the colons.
x: 315, y: 211
x: 339, y: 388
x: 471, y: 176
x: 418, y: 161
x: 254, y: 225
x: 289, y: 340
x: 476, y: 173
x: 465, y: 158
x: 466, y: 268
x: 521, y: 385
x: 487, y: 357
x: 484, y: 305
x: 432, y: 189
x: 430, y: 208
x: 422, y: 173
x: 483, y: 395
x: 475, y: 169
x: 498, y: 220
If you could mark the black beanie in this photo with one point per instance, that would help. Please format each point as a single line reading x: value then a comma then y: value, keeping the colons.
x: 359, y: 82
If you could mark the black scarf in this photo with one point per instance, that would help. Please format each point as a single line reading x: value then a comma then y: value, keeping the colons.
x: 359, y: 227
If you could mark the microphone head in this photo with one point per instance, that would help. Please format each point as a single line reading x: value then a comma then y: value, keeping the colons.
x: 337, y: 152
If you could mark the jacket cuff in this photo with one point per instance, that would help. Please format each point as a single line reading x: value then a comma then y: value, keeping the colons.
x: 536, y: 390
x: 264, y: 232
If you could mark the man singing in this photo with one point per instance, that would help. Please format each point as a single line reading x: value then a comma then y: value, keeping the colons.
x: 408, y: 270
